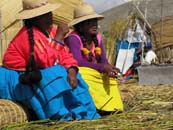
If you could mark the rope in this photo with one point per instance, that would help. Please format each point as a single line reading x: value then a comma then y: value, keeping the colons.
x: 136, y: 4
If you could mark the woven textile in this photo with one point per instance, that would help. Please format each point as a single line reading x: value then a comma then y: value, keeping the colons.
x: 10, y: 113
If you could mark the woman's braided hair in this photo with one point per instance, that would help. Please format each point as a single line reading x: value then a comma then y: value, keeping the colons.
x: 84, y: 42
x: 31, y: 63
x: 32, y: 73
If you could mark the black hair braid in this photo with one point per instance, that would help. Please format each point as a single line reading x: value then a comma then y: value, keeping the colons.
x: 83, y: 39
x: 98, y: 57
x: 31, y: 61
x: 32, y: 75
x: 84, y: 42
x: 94, y: 38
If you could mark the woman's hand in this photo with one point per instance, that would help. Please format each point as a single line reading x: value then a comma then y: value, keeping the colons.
x: 111, y: 70
x: 61, y: 31
x: 72, y: 78
x: 114, y: 73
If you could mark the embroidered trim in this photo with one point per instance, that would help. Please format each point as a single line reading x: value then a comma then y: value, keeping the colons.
x: 36, y: 6
x: 84, y: 15
x: 59, y: 42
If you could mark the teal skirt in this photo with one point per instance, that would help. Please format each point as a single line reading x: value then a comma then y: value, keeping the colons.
x: 52, y: 97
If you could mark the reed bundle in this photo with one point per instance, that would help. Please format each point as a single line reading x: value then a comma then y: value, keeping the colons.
x: 146, y: 108
x: 65, y: 13
x: 11, y: 112
x: 163, y: 31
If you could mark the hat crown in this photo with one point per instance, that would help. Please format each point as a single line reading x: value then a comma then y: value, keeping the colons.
x: 83, y: 10
x: 34, y: 8
x: 30, y: 4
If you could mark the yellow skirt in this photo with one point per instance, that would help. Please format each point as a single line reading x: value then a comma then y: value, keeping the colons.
x: 103, y: 89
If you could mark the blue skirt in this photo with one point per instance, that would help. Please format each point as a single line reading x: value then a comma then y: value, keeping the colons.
x: 52, y: 97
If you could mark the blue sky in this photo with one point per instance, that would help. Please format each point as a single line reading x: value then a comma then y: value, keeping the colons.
x: 102, y: 5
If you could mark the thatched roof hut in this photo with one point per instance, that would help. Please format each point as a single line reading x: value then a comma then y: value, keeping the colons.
x: 159, y: 15
x: 163, y: 31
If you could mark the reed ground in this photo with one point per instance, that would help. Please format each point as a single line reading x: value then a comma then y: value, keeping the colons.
x: 146, y: 108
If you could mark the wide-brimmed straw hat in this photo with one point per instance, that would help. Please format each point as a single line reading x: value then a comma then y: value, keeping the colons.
x: 34, y: 8
x: 84, y: 12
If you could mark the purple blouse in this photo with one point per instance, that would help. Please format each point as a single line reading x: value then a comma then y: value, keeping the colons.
x: 74, y: 45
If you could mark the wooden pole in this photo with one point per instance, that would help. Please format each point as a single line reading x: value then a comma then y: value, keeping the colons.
x: 161, y: 26
x: 144, y: 29
x: 148, y: 24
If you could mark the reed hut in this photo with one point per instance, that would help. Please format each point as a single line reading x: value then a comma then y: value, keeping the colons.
x: 158, y: 15
x: 9, y: 26
x: 163, y: 31
x: 118, y: 31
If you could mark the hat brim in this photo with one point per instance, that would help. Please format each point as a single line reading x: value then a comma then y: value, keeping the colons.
x: 27, y: 14
x: 83, y: 18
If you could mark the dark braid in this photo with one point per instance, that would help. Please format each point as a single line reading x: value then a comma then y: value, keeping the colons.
x: 94, y: 38
x: 32, y: 73
x: 84, y: 41
x: 29, y: 25
x: 98, y: 57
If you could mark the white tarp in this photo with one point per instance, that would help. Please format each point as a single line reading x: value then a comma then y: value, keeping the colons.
x: 125, y: 59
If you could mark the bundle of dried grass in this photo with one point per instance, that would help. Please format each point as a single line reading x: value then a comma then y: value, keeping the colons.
x: 10, y: 113
x: 65, y: 13
x: 7, y: 35
x: 146, y: 108
x: 8, y: 12
x: 163, y: 31
x: 115, y: 32
x: 8, y: 24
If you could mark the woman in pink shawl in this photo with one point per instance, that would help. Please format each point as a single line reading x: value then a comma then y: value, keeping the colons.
x: 86, y: 45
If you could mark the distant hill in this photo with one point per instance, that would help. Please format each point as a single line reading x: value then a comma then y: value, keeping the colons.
x: 154, y: 9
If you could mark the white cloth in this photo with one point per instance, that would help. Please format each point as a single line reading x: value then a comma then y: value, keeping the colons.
x: 137, y: 35
x: 150, y: 56
x: 125, y: 59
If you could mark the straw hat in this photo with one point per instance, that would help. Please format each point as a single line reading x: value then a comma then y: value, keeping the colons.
x: 84, y: 12
x: 33, y: 8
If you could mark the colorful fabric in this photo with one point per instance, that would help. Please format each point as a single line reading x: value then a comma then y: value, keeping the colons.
x: 92, y: 49
x: 53, y: 96
x: 147, y: 45
x: 81, y: 45
x: 44, y: 51
x: 104, y: 90
x: 75, y: 45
